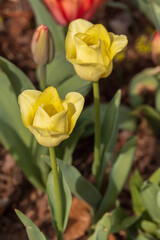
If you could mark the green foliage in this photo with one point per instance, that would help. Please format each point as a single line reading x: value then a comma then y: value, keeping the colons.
x: 67, y: 199
x: 145, y: 82
x: 78, y: 185
x: 14, y: 136
x: 120, y: 169
x: 147, y: 204
x: 32, y: 230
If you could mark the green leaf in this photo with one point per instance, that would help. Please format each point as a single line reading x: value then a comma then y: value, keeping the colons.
x: 152, y: 116
x: 13, y: 134
x: 67, y: 199
x: 150, y: 196
x: 119, y: 220
x: 17, y: 78
x: 126, y: 119
x: 109, y: 131
x: 155, y: 177
x: 135, y: 187
x: 157, y: 100
x: 59, y: 70
x: 65, y: 150
x: 74, y: 84
x: 32, y: 230
x: 155, y: 10
x: 102, y: 228
x: 146, y: 80
x: 44, y: 17
x: 149, y: 227
x: 118, y: 174
x: 78, y: 185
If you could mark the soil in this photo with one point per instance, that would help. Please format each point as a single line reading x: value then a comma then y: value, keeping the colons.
x: 17, y: 25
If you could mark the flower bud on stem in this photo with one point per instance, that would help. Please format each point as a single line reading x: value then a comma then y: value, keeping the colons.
x: 57, y: 193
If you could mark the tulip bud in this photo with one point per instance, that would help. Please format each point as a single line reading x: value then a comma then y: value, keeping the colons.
x: 156, y: 48
x: 42, y: 46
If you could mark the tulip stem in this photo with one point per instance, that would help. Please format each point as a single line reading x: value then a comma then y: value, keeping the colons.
x: 96, y: 163
x: 42, y: 77
x: 57, y: 193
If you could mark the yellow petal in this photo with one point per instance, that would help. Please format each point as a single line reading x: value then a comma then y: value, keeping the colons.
x: 77, y: 26
x: 49, y: 139
x: 118, y: 42
x: 97, y: 32
x: 41, y: 119
x: 50, y: 101
x: 89, y: 72
x: 59, y: 122
x: 75, y: 103
x: 108, y: 70
x: 91, y: 54
x: 27, y: 100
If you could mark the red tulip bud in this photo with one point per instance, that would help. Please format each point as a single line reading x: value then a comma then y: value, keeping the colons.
x: 42, y: 46
x: 156, y: 48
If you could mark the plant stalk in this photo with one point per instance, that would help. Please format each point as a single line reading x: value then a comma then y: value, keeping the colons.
x: 96, y: 163
x: 42, y: 77
x: 57, y: 193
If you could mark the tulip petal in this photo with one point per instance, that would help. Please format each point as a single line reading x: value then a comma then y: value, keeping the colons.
x: 79, y: 25
x: 75, y: 103
x: 108, y: 70
x: 97, y: 32
x: 50, y: 101
x: 27, y: 100
x: 48, y: 139
x: 118, y: 42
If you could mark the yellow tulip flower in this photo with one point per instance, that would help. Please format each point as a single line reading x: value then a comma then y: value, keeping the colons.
x: 91, y: 49
x: 50, y: 119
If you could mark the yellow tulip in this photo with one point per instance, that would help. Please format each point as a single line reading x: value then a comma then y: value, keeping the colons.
x: 91, y: 49
x: 50, y: 119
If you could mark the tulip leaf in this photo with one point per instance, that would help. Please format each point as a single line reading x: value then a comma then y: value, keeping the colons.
x: 102, y: 228
x: 17, y: 78
x: 120, y: 221
x: 147, y: 80
x: 155, y: 177
x: 78, y: 185
x: 120, y: 169
x: 14, y: 136
x: 43, y: 17
x: 152, y: 116
x: 135, y: 187
x: 66, y: 196
x: 32, y: 230
x: 109, y: 132
x: 150, y: 193
x: 157, y: 100
x: 74, y: 84
x: 59, y: 70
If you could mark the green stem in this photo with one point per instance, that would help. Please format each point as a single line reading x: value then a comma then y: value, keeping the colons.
x: 57, y: 193
x: 96, y: 163
x: 42, y: 77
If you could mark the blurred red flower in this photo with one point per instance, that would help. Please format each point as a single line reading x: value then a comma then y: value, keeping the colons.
x: 65, y: 11
x: 156, y: 48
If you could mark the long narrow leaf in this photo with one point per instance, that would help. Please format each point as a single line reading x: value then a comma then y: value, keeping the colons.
x: 78, y: 185
x: 32, y: 230
x: 118, y: 174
